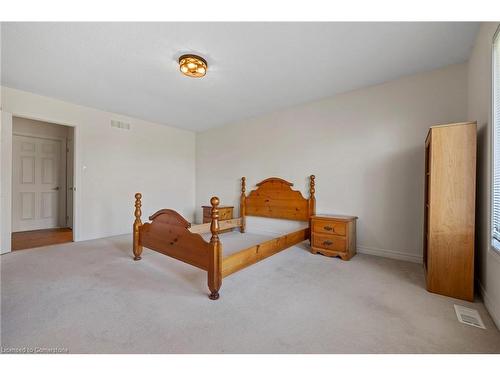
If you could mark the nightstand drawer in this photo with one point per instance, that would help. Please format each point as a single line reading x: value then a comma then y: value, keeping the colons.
x: 222, y: 216
x: 329, y: 227
x: 225, y: 213
x: 331, y: 242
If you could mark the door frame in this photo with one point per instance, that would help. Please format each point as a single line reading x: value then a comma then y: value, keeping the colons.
x: 6, y: 177
x: 63, y: 156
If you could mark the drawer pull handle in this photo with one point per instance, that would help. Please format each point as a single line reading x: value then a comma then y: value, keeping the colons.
x: 327, y: 243
x: 328, y: 228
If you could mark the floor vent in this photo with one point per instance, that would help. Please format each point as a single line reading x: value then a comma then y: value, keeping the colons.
x: 469, y: 316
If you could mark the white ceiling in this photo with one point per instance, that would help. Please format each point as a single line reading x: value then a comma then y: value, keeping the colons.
x: 254, y: 68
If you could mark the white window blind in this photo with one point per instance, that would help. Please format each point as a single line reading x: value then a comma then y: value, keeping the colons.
x: 496, y: 143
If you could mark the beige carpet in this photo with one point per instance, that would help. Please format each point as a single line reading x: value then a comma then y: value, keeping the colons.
x: 90, y: 297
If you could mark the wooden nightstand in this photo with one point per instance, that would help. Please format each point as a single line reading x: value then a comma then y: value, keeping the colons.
x: 225, y: 213
x: 334, y: 235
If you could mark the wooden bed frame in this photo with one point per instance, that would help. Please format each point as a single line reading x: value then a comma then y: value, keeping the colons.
x: 170, y: 234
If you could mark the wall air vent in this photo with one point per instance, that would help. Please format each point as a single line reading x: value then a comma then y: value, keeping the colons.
x: 120, y: 125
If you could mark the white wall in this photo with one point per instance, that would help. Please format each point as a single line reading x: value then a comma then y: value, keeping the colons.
x: 479, y: 108
x: 5, y: 180
x: 365, y: 147
x: 113, y: 164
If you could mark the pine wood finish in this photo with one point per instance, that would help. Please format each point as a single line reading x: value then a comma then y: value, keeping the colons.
x: 242, y: 204
x: 225, y: 213
x: 136, y: 227
x: 214, y: 253
x: 275, y: 198
x: 254, y: 254
x: 449, y: 209
x: 334, y: 235
x: 170, y: 234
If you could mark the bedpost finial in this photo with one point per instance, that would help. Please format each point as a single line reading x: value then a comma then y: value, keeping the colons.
x: 312, y: 199
x: 214, y: 225
x: 138, y: 205
x: 243, y: 185
x: 214, y: 201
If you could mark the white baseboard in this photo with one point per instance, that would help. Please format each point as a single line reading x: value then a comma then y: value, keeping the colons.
x: 360, y: 249
x: 490, y: 306
x: 389, y: 254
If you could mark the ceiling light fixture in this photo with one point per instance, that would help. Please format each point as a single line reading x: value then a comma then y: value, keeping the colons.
x: 193, y: 66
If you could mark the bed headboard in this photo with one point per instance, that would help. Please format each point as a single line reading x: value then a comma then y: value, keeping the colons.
x: 275, y: 198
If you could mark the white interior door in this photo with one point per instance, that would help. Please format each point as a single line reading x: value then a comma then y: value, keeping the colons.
x: 35, y: 183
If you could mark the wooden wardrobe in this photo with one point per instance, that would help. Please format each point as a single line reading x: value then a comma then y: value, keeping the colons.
x: 449, y: 210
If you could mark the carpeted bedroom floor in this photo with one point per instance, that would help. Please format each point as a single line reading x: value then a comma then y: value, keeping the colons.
x: 90, y: 297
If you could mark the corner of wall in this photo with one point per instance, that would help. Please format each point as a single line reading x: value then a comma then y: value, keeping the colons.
x: 491, y: 305
x: 479, y: 79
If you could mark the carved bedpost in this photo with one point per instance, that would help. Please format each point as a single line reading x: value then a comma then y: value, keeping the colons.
x: 242, y: 205
x: 137, y: 247
x: 312, y: 198
x: 215, y: 256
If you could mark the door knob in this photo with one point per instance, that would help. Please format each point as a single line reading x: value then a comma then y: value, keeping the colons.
x: 56, y: 188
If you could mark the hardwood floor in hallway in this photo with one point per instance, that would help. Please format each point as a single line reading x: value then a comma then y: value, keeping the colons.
x: 42, y: 237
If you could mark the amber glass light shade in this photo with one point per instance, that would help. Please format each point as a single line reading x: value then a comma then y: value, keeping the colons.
x: 192, y: 66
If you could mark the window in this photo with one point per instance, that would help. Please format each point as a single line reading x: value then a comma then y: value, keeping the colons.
x: 495, y: 231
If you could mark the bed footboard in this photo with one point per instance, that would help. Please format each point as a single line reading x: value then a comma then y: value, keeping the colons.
x: 169, y: 233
